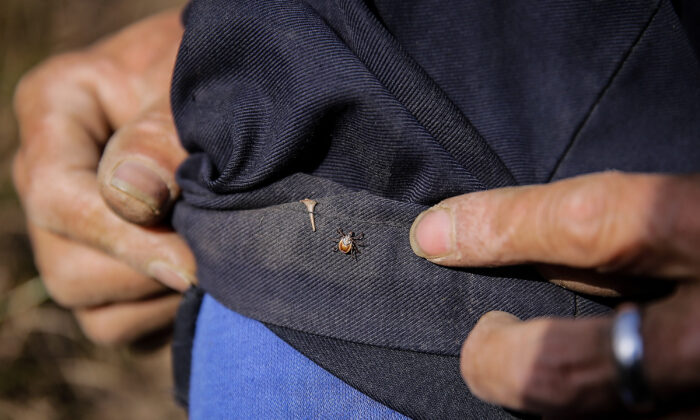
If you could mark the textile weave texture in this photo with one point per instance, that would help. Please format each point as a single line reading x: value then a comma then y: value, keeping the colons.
x: 378, y: 110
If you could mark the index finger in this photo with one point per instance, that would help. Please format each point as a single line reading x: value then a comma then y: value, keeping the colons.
x: 641, y: 224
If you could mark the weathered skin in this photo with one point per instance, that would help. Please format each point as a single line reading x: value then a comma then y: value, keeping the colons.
x: 96, y: 257
x: 81, y: 114
x: 598, y: 233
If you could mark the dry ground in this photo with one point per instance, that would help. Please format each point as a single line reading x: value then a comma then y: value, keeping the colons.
x: 47, y: 368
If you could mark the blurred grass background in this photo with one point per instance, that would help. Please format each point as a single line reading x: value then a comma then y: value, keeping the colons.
x: 48, y: 370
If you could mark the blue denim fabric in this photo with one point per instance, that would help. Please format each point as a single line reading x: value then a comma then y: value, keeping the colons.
x: 241, y: 370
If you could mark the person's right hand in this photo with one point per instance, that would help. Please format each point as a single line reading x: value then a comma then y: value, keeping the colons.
x: 95, y: 173
x: 599, y: 233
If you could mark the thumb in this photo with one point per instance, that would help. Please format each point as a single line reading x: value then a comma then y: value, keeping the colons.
x: 136, y: 173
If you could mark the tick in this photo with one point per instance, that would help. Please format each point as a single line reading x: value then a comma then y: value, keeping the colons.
x: 349, y: 243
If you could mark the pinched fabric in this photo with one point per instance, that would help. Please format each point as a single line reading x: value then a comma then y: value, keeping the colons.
x: 378, y: 110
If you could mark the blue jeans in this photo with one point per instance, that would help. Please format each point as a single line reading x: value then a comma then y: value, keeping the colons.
x: 241, y: 370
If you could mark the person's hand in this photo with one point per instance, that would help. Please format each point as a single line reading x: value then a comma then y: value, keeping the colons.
x: 95, y: 173
x: 600, y: 227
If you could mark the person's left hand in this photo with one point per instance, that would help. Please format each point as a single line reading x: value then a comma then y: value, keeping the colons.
x: 604, y: 233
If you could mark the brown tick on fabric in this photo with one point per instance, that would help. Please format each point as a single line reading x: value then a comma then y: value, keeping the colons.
x: 349, y: 243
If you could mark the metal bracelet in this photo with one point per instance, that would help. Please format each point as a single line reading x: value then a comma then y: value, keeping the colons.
x: 628, y: 350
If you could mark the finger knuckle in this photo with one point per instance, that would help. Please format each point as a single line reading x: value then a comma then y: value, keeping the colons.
x: 601, y: 221
x: 550, y: 386
x: 51, y: 200
x: 583, y: 216
x: 62, y: 64
x: 673, y: 203
x: 48, y: 80
x: 155, y: 125
x: 59, y: 283
x: 688, y: 349
x: 18, y: 173
x: 39, y: 201
x: 23, y: 91
x: 154, y: 119
x: 544, y: 377
x: 631, y: 227
x: 472, y: 367
x: 47, y: 72
x: 103, y: 329
x: 466, y: 365
x: 60, y: 294
x: 685, y: 346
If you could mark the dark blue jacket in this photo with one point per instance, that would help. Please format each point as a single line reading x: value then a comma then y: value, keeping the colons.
x: 379, y: 109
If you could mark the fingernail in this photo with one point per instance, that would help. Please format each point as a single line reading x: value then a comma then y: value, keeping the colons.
x: 141, y: 183
x: 169, y: 276
x: 432, y: 234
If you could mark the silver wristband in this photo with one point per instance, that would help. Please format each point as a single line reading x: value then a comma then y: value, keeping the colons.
x: 628, y: 350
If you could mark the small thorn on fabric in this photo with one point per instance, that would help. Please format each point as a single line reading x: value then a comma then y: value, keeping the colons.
x: 310, y: 205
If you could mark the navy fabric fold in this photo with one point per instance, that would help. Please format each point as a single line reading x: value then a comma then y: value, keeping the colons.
x: 378, y: 110
x: 269, y: 265
x: 293, y: 94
